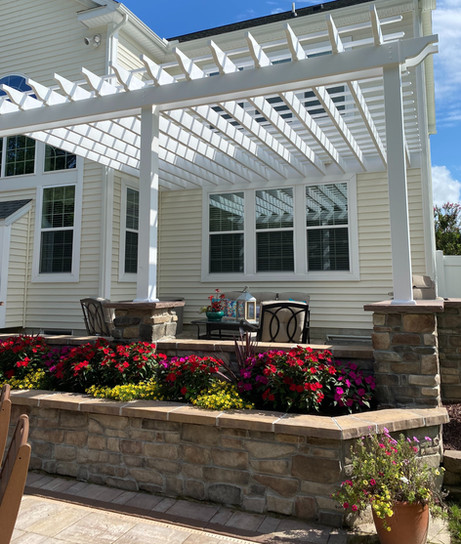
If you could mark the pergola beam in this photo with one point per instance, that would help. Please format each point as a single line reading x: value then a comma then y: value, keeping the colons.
x: 360, y: 63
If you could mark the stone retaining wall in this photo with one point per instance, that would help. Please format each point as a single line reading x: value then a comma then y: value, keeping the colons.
x: 452, y: 475
x: 258, y: 461
x: 449, y: 333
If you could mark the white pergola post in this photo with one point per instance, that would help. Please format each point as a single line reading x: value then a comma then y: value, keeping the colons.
x: 397, y: 179
x: 148, y: 206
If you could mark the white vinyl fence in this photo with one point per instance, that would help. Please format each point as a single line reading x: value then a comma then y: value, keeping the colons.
x: 448, y: 275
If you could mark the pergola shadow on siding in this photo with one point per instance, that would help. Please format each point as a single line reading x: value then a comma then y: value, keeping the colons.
x: 268, y: 112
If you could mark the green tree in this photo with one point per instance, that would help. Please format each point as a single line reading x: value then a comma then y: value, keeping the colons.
x: 447, y: 220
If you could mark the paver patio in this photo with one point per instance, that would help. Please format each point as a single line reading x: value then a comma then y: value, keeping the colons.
x: 59, y: 511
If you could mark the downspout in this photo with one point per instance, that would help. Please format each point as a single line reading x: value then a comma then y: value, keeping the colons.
x: 425, y: 78
x: 107, y: 205
x: 112, y: 42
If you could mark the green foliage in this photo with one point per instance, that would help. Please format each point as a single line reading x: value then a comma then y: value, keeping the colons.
x: 184, y: 378
x: 303, y: 380
x: 454, y: 521
x: 447, y: 220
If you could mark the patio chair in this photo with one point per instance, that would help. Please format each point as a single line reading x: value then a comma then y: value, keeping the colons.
x: 5, y: 412
x: 98, y: 322
x: 13, y: 477
x: 284, y: 321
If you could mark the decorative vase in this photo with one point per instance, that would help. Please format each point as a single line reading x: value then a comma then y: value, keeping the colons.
x: 409, y: 524
x: 215, y: 316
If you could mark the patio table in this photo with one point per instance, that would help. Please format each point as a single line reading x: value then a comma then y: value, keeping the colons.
x: 223, y: 330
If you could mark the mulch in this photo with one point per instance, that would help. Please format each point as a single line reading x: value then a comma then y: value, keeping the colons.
x: 452, y: 429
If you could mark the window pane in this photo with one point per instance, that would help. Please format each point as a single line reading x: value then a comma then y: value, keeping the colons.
x: 326, y: 205
x: 17, y: 82
x: 58, y: 207
x: 131, y: 252
x: 275, y: 251
x: 274, y: 209
x: 328, y: 249
x: 226, y: 253
x: 132, y: 209
x: 58, y: 159
x: 226, y: 212
x: 56, y: 251
x: 20, y: 156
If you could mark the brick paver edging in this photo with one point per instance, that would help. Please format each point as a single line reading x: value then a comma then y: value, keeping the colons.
x: 262, y: 462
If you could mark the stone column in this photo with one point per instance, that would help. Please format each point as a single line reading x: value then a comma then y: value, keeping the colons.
x: 407, y: 370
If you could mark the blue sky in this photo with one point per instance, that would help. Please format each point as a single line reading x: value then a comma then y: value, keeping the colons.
x: 169, y: 19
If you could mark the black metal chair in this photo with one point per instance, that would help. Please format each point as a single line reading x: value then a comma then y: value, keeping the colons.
x: 284, y: 321
x: 97, y: 321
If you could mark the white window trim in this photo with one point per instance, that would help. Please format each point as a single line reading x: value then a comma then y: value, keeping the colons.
x: 63, y: 178
x: 300, y: 272
x: 122, y: 275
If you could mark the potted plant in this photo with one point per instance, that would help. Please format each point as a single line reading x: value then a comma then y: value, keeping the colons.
x: 392, y: 477
x: 215, y: 310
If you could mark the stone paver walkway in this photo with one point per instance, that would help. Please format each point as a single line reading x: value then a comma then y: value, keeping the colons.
x: 63, y: 511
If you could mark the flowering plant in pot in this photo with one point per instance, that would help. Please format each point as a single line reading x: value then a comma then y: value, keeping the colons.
x: 215, y: 310
x: 390, y: 475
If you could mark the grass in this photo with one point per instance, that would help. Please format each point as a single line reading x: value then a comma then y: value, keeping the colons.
x: 454, y: 521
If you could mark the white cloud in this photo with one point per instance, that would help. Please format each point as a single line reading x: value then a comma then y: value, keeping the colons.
x: 445, y: 188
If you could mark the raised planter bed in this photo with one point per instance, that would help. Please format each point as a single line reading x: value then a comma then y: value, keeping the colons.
x: 259, y: 461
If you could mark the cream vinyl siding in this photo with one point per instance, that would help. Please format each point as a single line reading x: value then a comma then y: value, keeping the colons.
x: 128, y: 54
x: 28, y: 50
x: 120, y: 290
x: 334, y: 305
x: 38, y: 55
x: 18, y: 272
x: 55, y: 305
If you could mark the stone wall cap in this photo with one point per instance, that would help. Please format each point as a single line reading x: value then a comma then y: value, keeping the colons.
x: 452, y: 301
x: 130, y: 305
x: 337, y: 428
x: 358, y: 351
x: 420, y: 307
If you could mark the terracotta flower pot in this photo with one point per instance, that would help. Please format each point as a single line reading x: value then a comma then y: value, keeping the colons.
x: 409, y: 524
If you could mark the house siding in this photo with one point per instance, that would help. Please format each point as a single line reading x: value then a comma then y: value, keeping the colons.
x: 18, y: 271
x: 335, y: 305
x: 41, y: 54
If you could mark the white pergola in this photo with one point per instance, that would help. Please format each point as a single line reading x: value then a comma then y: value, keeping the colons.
x: 304, y: 112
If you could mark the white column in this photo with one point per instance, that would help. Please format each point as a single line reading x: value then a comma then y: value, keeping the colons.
x: 148, y: 206
x: 397, y: 176
x: 107, y: 216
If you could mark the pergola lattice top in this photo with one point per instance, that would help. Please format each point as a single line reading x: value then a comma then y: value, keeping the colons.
x: 317, y: 111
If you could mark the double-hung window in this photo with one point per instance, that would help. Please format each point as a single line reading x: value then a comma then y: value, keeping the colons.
x: 226, y: 233
x: 327, y: 222
x: 131, y: 231
x: 299, y: 232
x: 274, y: 230
x: 57, y: 229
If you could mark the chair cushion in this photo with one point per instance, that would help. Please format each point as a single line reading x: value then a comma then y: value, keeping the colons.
x: 281, y: 324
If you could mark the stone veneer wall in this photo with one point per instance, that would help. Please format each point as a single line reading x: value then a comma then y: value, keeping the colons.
x: 417, y: 352
x: 259, y: 461
x: 406, y: 353
x: 449, y: 333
